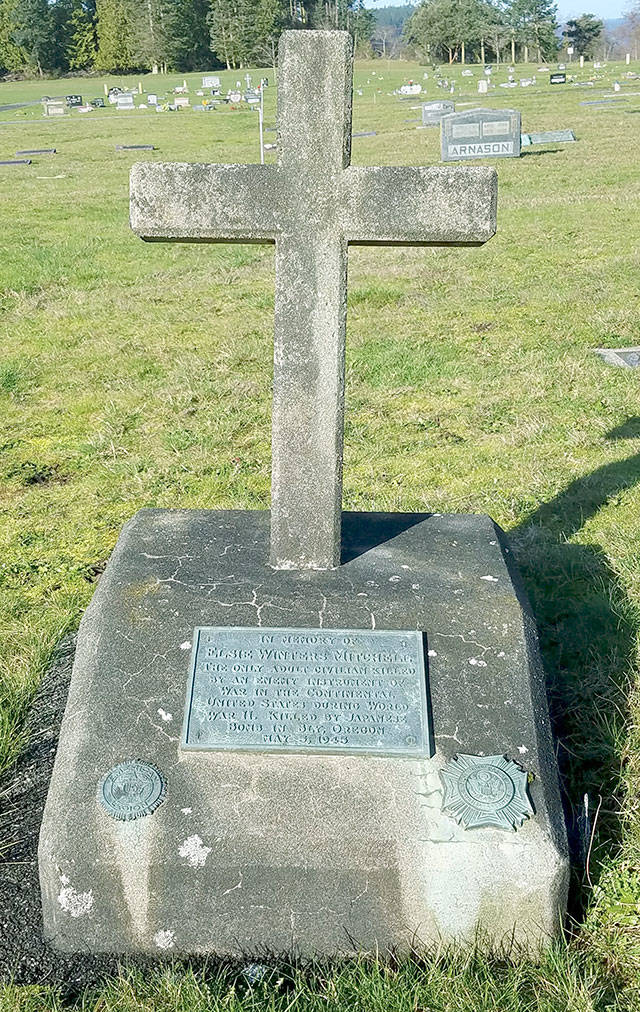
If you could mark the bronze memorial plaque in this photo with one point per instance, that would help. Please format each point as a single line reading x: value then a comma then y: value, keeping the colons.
x: 308, y: 690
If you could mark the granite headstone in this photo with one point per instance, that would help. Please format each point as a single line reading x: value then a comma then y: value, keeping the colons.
x: 432, y: 112
x: 481, y: 133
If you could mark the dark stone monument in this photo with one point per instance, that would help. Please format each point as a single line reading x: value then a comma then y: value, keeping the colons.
x: 481, y: 133
x: 557, y: 78
x: 73, y: 101
x: 365, y: 759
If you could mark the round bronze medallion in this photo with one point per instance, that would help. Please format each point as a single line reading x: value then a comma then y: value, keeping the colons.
x: 131, y: 789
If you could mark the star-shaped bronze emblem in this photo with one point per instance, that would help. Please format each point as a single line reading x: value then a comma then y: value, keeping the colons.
x: 485, y: 791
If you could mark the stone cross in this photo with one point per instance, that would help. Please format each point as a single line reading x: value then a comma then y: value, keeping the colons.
x: 312, y: 204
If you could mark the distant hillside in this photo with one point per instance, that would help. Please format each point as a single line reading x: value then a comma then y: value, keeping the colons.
x: 393, y: 17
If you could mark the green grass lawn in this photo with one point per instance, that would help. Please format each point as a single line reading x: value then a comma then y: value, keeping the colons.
x: 139, y: 375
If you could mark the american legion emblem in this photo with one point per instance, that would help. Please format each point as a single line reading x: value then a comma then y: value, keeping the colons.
x: 485, y: 791
x: 131, y: 789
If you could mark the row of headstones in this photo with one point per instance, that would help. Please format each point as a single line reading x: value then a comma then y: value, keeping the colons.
x: 481, y: 133
x: 125, y: 100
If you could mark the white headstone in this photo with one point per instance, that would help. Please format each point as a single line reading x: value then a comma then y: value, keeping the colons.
x: 54, y: 108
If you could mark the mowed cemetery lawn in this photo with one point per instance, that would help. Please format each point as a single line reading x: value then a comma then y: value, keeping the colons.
x: 136, y: 374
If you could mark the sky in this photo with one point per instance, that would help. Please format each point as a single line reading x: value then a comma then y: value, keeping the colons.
x: 603, y: 8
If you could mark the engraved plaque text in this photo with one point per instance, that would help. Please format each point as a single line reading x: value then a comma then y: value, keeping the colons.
x: 307, y: 690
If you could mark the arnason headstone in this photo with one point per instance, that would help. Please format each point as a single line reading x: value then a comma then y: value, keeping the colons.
x: 301, y: 731
x: 481, y: 133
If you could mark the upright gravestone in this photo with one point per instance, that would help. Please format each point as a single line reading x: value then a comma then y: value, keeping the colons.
x: 125, y: 102
x: 481, y: 133
x: 557, y: 78
x: 341, y: 742
x: 54, y: 107
x: 432, y: 112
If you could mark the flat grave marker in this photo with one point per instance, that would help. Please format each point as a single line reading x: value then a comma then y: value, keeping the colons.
x: 16, y: 161
x: 627, y: 358
x: 549, y: 137
x: 37, y: 151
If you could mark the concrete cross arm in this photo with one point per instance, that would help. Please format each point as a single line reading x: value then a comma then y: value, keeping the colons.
x: 420, y: 206
x: 251, y: 203
x: 204, y: 203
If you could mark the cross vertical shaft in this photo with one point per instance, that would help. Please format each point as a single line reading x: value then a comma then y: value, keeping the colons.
x: 314, y: 126
x: 312, y: 204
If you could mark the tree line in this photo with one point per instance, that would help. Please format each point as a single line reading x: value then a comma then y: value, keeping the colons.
x: 58, y: 36
x: 514, y: 30
x: 62, y: 36
x: 472, y: 30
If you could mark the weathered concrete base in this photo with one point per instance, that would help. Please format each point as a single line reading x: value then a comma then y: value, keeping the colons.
x: 255, y: 853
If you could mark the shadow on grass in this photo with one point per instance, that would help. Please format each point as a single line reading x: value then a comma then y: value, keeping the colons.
x: 525, y: 153
x: 587, y: 630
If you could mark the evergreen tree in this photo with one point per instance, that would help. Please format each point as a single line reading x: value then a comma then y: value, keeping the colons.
x: 583, y: 33
x: 361, y: 22
x: 116, y: 30
x: 535, y: 24
x: 220, y: 20
x: 82, y: 47
x: 12, y: 57
x: 150, y: 34
x: 270, y: 21
x: 233, y: 32
x: 188, y: 45
x: 452, y: 29
x: 34, y: 33
x: 61, y: 13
